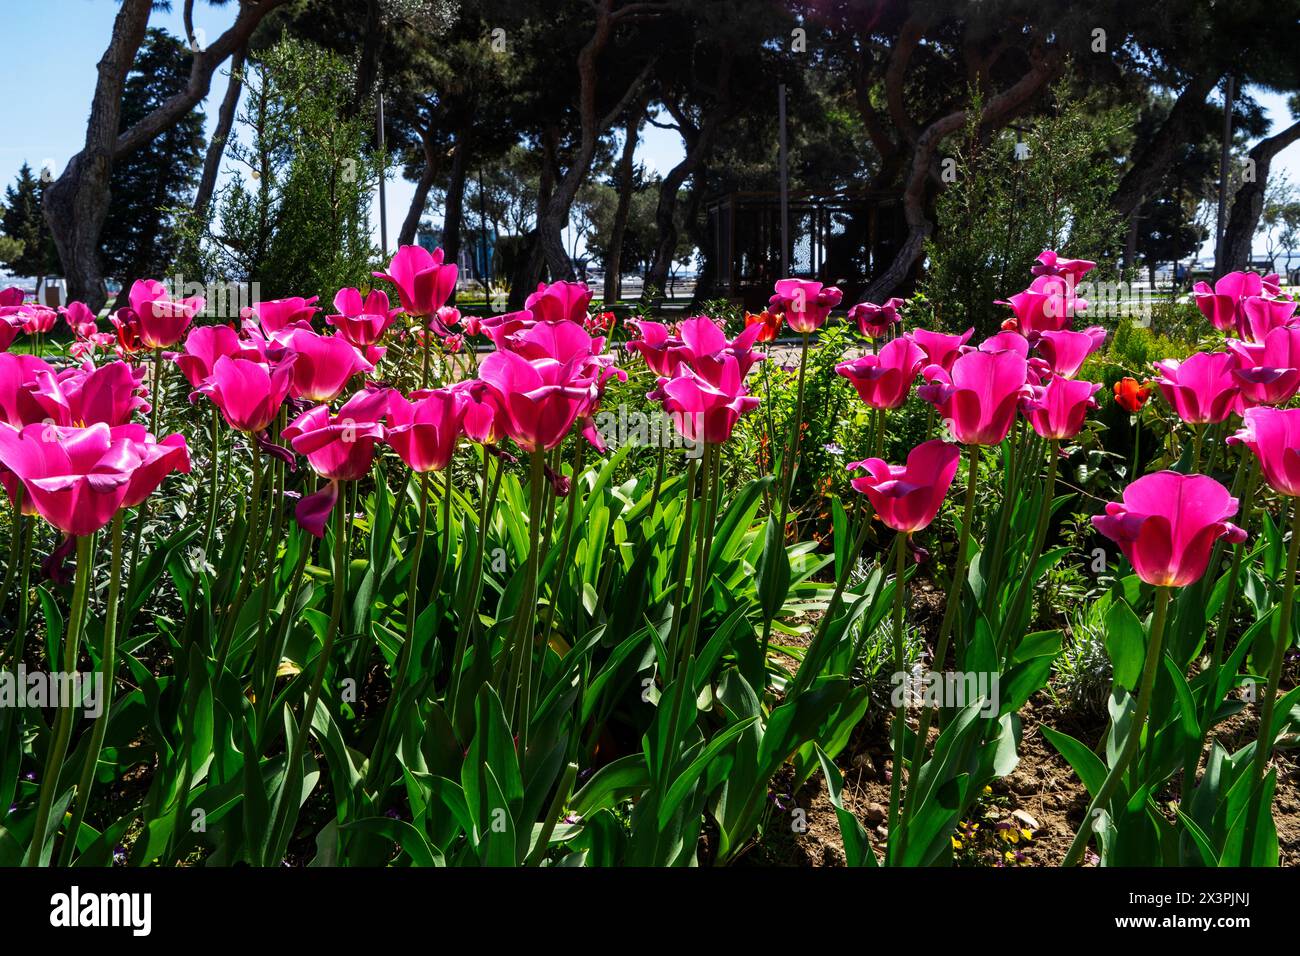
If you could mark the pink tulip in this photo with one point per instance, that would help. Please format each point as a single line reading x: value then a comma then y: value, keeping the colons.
x: 423, y: 282
x: 203, y: 346
x: 18, y: 376
x: 1222, y: 304
x: 87, y: 395
x: 126, y: 327
x: 704, y: 345
x: 8, y: 332
x: 35, y: 319
x: 248, y: 393
x: 979, y: 397
x: 444, y: 320
x: 804, y: 303
x: 80, y: 319
x: 1274, y: 436
x: 11, y: 296
x: 75, y: 478
x: 884, y: 380
x: 1050, y: 264
x: 501, y: 328
x: 703, y: 408
x: 559, y: 301
x: 1268, y: 372
x: 661, y: 350
x: 1049, y: 304
x: 1167, y: 525
x: 1058, y: 409
x: 1260, y: 316
x: 424, y: 431
x: 940, y: 348
x: 323, y: 365
x: 276, y: 315
x: 339, y: 447
x: 1066, y: 351
x: 484, y: 421
x: 363, y: 323
x: 1007, y: 340
x: 906, y: 498
x: 1201, y: 388
x: 162, y: 319
x: 540, y: 399
x: 158, y: 459
x: 874, y: 321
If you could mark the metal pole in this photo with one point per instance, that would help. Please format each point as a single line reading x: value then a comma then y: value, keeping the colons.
x: 482, y: 218
x: 785, y: 184
x: 1221, y: 225
x: 383, y: 175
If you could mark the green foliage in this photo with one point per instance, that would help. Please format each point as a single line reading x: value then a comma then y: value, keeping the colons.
x: 296, y: 218
x: 151, y: 185
x: 1000, y: 211
x: 30, y: 250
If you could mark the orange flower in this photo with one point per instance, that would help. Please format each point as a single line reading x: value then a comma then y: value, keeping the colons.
x: 1131, y: 394
x: 771, y: 323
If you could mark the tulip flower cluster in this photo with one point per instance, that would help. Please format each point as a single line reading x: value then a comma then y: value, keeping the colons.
x: 379, y: 421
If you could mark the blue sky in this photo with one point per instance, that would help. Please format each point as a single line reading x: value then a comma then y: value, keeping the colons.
x: 48, y: 74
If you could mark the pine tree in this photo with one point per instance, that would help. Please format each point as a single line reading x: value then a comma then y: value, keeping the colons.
x: 23, y: 223
x: 149, y: 185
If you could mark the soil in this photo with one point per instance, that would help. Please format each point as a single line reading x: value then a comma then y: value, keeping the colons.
x: 1042, y: 795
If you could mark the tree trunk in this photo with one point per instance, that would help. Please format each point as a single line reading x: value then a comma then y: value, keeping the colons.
x: 698, y: 143
x: 996, y: 112
x: 220, y: 133
x: 1155, y: 157
x: 626, y: 177
x: 551, y: 223
x: 528, y: 270
x: 415, y: 212
x: 1248, y: 203
x: 453, y: 211
x: 77, y: 202
x: 368, y: 67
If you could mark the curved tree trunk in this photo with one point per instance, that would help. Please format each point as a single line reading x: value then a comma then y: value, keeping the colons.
x: 528, y: 270
x: 76, y: 203
x: 996, y: 112
x: 220, y: 133
x: 1248, y: 203
x: 626, y: 176
x: 699, y: 143
x: 1154, y: 158
x: 453, y: 211
x: 415, y: 212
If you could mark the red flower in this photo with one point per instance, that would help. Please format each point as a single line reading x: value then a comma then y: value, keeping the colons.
x: 1131, y: 395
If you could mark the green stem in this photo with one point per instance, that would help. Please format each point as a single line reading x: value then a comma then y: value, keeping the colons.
x: 1125, y: 757
x: 950, y: 612
x: 289, y: 796
x: 521, y: 651
x: 1026, y: 585
x: 1281, y: 642
x: 246, y: 569
x: 702, y: 539
x: 15, y: 547
x: 107, y: 678
x: 63, y: 724
x: 792, y: 447
x: 900, y: 714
